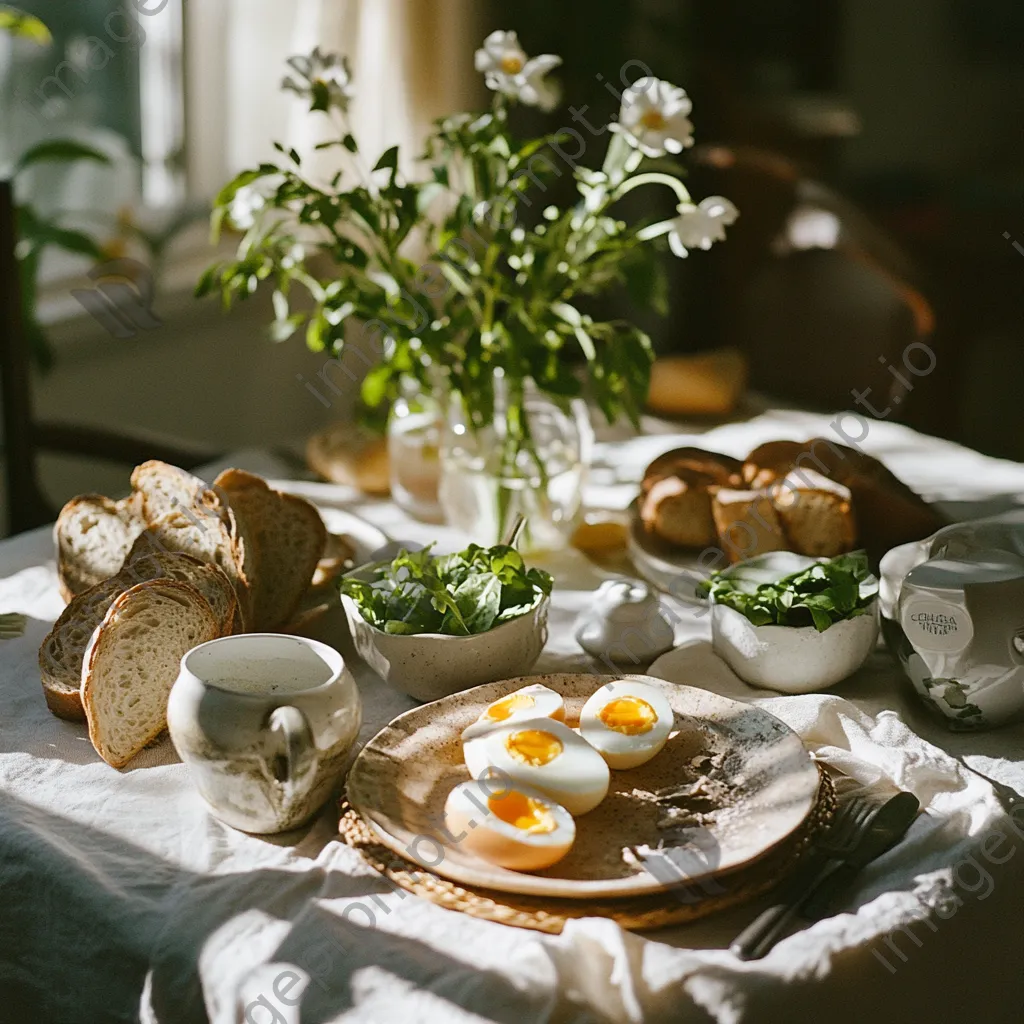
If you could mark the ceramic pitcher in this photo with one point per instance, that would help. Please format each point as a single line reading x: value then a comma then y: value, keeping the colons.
x: 265, y: 723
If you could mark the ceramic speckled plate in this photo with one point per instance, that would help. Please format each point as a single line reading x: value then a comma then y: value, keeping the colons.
x: 401, y: 778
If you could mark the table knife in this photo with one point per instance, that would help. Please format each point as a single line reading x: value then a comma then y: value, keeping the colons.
x: 887, y: 826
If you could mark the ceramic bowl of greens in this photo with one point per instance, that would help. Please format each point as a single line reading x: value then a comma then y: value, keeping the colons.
x: 791, y: 623
x: 431, y: 625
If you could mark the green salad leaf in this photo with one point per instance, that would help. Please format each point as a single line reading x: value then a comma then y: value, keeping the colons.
x: 461, y: 594
x: 820, y: 595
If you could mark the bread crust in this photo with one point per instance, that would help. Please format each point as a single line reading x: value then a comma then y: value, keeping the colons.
x: 148, y: 561
x: 723, y: 470
x: 211, y: 539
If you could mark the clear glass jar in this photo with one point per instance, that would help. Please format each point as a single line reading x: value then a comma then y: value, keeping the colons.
x: 414, y: 439
x: 488, y: 477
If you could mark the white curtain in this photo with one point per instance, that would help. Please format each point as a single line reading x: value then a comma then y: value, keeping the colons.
x: 412, y: 61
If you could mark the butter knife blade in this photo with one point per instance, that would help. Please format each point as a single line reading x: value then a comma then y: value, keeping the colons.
x: 888, y: 826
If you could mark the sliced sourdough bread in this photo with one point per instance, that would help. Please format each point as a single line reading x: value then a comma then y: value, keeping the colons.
x: 63, y: 649
x: 61, y: 652
x: 185, y: 514
x: 163, y: 488
x: 210, y: 538
x: 132, y: 661
x: 148, y: 561
x: 92, y: 535
x: 282, y: 538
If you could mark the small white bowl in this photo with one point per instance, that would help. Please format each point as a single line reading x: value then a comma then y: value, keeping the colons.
x: 429, y: 666
x: 790, y: 659
x: 793, y: 659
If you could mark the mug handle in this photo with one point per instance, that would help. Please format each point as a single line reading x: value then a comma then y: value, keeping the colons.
x: 293, y: 738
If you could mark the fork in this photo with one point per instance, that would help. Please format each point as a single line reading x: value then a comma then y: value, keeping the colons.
x: 1007, y: 796
x: 851, y: 822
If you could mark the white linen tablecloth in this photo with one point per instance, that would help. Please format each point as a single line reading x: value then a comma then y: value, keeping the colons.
x: 123, y: 900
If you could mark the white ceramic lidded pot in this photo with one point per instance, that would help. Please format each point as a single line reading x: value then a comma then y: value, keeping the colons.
x: 265, y: 723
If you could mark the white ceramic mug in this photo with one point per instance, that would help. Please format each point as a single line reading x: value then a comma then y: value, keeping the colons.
x: 265, y: 723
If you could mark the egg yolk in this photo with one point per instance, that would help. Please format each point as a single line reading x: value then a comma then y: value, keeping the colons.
x: 533, y: 747
x: 522, y: 811
x: 629, y: 715
x: 504, y: 708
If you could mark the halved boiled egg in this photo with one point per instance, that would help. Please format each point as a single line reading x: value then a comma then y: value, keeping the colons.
x: 534, y: 701
x: 516, y: 827
x: 627, y: 722
x: 544, y: 754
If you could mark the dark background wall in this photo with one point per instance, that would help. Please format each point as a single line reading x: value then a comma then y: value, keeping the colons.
x: 911, y: 113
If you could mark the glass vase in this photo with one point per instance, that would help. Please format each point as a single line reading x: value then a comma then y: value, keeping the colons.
x: 492, y: 474
x: 415, y: 429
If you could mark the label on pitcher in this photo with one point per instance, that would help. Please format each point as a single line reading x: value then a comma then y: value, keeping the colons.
x: 934, y: 625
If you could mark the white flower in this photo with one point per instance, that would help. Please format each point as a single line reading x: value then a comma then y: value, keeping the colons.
x: 653, y: 117
x: 700, y: 226
x: 323, y: 78
x: 250, y: 199
x: 508, y: 70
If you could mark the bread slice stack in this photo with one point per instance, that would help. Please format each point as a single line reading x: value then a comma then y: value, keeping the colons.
x: 206, y: 561
x: 62, y: 652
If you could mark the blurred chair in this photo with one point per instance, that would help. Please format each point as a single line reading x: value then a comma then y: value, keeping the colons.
x: 824, y: 304
x: 24, y: 437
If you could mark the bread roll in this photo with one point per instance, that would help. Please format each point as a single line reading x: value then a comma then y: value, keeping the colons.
x: 815, y: 513
x: 747, y: 523
x: 887, y: 512
x: 347, y: 455
x: 708, y: 384
x: 678, y: 509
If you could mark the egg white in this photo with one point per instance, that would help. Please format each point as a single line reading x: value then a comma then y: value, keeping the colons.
x: 622, y: 750
x: 577, y: 778
x: 472, y: 823
x: 544, y: 703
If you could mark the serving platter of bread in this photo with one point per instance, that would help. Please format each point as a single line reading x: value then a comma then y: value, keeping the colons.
x: 176, y: 563
x: 816, y: 498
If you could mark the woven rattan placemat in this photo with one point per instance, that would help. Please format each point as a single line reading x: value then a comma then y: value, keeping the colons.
x: 674, y: 906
